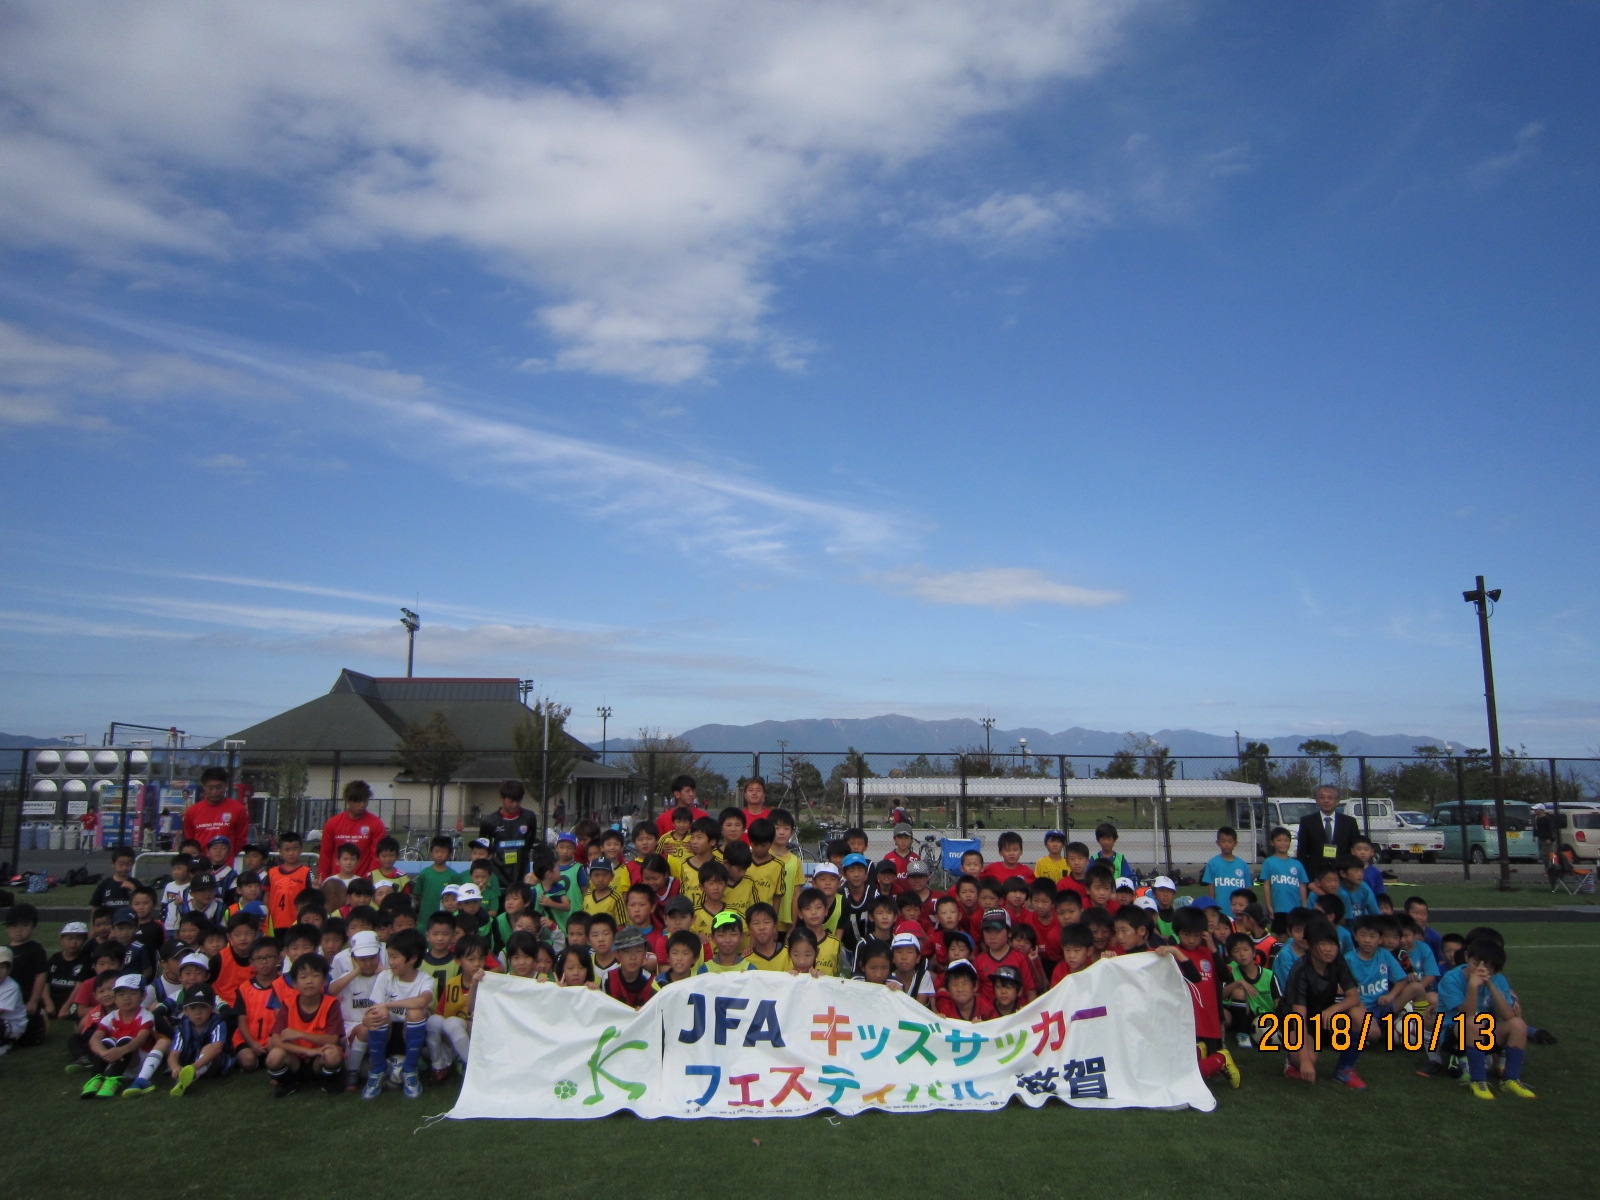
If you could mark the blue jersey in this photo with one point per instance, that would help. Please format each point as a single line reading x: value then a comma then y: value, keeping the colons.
x: 1357, y: 904
x: 1226, y: 875
x: 189, y: 1039
x: 1375, y: 975
x: 1421, y: 958
x: 1453, y: 992
x: 1284, y: 878
x: 1282, y: 965
x: 1372, y: 876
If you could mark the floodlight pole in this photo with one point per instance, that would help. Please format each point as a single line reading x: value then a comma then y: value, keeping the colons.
x: 412, y: 623
x: 988, y: 724
x: 1481, y: 599
x: 604, y: 713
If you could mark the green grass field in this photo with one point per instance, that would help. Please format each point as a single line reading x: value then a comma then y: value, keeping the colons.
x: 1405, y: 1136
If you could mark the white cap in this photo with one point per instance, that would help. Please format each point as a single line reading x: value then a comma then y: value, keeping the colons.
x: 364, y: 944
x: 1124, y: 882
x: 906, y: 939
x: 134, y: 983
x: 825, y: 868
x: 6, y: 956
x: 77, y: 927
x: 1147, y: 902
x: 468, y: 891
x: 195, y: 960
x: 453, y: 889
x: 1163, y: 882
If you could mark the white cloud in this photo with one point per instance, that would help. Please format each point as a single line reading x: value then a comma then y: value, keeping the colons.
x: 1018, y: 218
x: 1524, y: 147
x: 994, y: 587
x: 639, y: 163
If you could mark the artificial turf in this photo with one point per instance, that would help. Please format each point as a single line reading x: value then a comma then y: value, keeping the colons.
x: 1406, y: 1135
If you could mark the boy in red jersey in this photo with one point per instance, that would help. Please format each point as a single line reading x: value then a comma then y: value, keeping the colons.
x: 1010, y: 865
x: 900, y: 856
x: 996, y: 952
x: 1077, y: 949
x: 120, y: 1038
x: 1198, y: 964
x: 959, y: 998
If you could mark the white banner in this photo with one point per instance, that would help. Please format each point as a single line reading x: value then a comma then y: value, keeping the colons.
x: 763, y: 1044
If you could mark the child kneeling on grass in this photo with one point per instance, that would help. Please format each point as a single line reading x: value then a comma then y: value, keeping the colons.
x: 1320, y: 986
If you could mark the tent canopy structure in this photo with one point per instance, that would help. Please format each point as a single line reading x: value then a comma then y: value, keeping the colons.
x: 988, y: 788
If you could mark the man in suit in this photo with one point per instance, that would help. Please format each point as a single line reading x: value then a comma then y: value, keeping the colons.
x: 1326, y: 834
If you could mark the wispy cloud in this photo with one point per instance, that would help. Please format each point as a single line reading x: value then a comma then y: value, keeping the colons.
x: 641, y: 170
x: 994, y: 587
x: 1016, y: 219
x: 1524, y: 147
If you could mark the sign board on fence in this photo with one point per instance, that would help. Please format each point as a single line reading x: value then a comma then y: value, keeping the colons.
x: 765, y: 1044
x: 38, y: 808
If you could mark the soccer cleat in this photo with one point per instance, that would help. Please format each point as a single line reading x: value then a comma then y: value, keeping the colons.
x: 185, y: 1079
x: 1456, y: 1066
x: 374, y: 1087
x: 1350, y: 1079
x: 1290, y: 1071
x: 92, y: 1088
x: 111, y: 1086
x: 1244, y: 1041
x: 1430, y: 1068
x: 397, y: 1066
x: 283, y: 1088
x: 1515, y: 1087
x: 411, y: 1086
x: 1230, y: 1068
x: 139, y: 1087
x: 80, y: 1064
x: 440, y: 1075
x: 1541, y: 1037
x: 1482, y: 1090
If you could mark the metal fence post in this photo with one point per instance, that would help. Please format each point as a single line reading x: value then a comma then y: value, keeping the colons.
x: 1165, y: 817
x: 1555, y: 810
x: 650, y: 784
x: 1366, y: 808
x: 338, y: 761
x: 961, y: 800
x: 1461, y: 817
x: 861, y: 792
x: 122, y: 821
x: 23, y: 791
x: 1061, y: 800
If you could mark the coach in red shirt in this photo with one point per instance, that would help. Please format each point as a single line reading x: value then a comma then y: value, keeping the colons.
x: 217, y: 814
x: 355, y: 826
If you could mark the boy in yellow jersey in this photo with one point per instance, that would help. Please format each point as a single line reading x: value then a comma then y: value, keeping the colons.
x: 767, y: 953
x: 741, y: 893
x: 452, y: 1022
x: 812, y: 908
x: 727, y: 936
x: 1054, y: 863
x: 794, y: 870
x: 713, y: 887
x: 676, y: 843
x: 765, y: 872
x: 827, y: 880
x: 388, y: 852
x: 702, y: 850
x: 600, y: 896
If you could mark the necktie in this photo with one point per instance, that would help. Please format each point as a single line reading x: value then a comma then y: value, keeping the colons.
x: 1329, y: 823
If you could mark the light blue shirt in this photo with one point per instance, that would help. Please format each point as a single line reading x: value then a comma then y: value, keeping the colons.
x: 1283, y: 877
x: 1453, y: 991
x: 1226, y: 875
x: 1422, y: 960
x: 1357, y: 904
x: 1375, y: 975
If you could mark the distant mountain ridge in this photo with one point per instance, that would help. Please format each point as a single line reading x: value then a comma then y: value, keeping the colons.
x: 893, y: 733
x: 11, y: 743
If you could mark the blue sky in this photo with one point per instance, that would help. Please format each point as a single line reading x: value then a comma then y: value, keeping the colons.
x: 1109, y: 364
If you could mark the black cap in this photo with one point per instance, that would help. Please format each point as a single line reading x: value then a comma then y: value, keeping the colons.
x: 679, y: 904
x: 995, y: 918
x: 200, y: 993
x: 203, y: 880
x: 1006, y: 974
x: 124, y: 916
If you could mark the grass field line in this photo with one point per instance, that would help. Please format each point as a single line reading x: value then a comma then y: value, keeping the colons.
x: 1570, y: 946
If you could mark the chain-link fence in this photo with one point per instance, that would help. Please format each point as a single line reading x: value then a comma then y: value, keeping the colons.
x: 1166, y: 808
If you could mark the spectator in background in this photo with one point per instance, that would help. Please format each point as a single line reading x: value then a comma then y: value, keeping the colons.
x: 355, y: 826
x: 216, y: 813
x: 1326, y: 834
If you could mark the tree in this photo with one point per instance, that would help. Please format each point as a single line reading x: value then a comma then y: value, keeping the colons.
x: 544, y: 774
x: 852, y: 766
x: 432, y: 752
x: 1124, y: 764
x: 659, y: 759
x: 287, y: 781
x: 1326, y: 755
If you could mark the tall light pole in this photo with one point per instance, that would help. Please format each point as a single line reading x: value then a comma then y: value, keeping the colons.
x: 988, y: 725
x: 604, y: 713
x: 412, y: 623
x: 1484, y: 601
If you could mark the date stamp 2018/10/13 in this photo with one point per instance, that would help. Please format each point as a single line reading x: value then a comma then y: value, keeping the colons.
x: 1391, y: 1031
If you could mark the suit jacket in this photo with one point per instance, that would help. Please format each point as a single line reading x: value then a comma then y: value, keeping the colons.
x: 1313, y: 837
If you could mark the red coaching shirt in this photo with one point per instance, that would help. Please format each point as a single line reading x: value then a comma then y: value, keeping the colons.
x: 204, y: 820
x: 364, y: 832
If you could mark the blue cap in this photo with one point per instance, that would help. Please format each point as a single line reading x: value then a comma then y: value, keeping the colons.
x: 567, y: 837
x: 856, y: 860
x: 124, y: 916
x: 1203, y: 902
x: 1055, y: 833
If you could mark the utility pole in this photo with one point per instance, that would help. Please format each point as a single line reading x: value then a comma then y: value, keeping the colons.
x: 604, y: 713
x: 544, y: 771
x: 412, y: 623
x: 1484, y: 601
x: 988, y: 725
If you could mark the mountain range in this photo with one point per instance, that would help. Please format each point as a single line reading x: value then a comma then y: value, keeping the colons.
x: 893, y: 733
